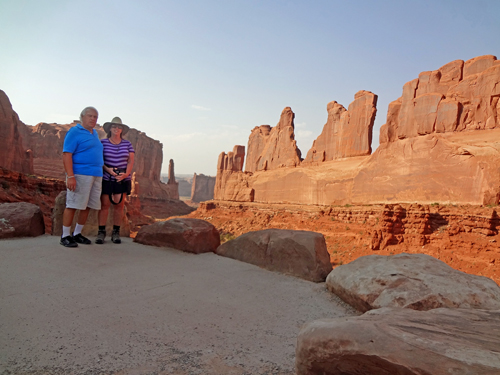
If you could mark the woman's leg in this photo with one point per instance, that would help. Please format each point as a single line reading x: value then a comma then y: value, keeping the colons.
x: 103, y: 213
x: 118, y: 209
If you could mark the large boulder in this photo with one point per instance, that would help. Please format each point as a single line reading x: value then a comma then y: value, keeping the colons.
x: 21, y: 219
x: 190, y: 235
x: 414, y: 281
x: 294, y: 252
x: 395, y: 341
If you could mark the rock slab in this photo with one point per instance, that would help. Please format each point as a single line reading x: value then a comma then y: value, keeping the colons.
x: 298, y: 253
x: 21, y: 219
x: 395, y: 341
x: 189, y: 235
x: 414, y: 281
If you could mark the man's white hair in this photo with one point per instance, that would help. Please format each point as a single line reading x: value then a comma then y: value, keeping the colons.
x: 85, y: 110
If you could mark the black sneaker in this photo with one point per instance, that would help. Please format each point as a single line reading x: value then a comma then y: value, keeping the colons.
x: 68, y: 241
x: 81, y: 239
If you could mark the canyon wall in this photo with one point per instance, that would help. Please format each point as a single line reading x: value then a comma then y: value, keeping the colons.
x: 440, y: 143
x: 14, y: 155
x: 202, y: 188
x: 38, y: 150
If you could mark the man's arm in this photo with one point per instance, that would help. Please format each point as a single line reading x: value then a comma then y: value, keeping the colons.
x: 68, y: 167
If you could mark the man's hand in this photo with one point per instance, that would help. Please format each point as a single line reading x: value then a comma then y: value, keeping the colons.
x: 71, y: 183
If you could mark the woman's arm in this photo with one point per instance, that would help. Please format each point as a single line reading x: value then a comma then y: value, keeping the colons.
x: 130, y: 165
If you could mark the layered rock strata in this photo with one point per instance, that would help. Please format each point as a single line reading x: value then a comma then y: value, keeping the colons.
x: 440, y: 143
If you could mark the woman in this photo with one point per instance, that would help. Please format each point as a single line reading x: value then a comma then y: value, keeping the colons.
x: 116, y: 180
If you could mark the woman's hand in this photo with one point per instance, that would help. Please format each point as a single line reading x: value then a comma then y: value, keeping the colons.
x: 120, y: 177
x: 110, y: 171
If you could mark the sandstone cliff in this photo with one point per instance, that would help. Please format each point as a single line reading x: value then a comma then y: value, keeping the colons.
x: 271, y: 148
x: 346, y: 133
x: 13, y: 154
x: 440, y: 143
x: 202, y: 188
x: 231, y: 183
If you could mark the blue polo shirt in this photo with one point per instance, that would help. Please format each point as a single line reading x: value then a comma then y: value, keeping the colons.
x: 86, y: 149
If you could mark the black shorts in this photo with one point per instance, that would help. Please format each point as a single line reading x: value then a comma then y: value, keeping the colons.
x: 113, y: 187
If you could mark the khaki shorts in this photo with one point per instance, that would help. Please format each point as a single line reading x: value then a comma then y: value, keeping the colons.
x: 86, y: 194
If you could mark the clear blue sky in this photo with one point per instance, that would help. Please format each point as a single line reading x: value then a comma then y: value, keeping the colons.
x: 199, y: 75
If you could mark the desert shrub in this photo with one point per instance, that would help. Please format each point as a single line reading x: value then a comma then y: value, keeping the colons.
x: 224, y: 237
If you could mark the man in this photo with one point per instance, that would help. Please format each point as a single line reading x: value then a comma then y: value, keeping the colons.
x: 83, y: 162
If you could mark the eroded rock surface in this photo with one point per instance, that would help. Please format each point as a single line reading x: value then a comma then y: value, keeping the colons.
x: 13, y: 154
x: 414, y: 281
x: 272, y: 148
x: 190, y: 235
x: 391, y: 341
x: 21, y: 219
x: 202, y: 188
x: 298, y: 253
x: 346, y: 133
x: 231, y: 183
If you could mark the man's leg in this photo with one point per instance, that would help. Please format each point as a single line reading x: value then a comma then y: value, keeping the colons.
x: 66, y: 238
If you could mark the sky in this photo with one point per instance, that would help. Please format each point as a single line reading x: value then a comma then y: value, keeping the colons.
x: 199, y: 75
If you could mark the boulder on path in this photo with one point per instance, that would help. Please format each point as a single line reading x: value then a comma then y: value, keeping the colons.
x: 414, y: 281
x: 21, y: 219
x: 294, y: 252
x: 396, y: 341
x: 190, y: 235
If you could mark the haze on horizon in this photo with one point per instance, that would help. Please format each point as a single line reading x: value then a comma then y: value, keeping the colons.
x: 199, y: 75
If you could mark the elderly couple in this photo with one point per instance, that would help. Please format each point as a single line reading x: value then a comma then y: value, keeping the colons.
x: 97, y: 174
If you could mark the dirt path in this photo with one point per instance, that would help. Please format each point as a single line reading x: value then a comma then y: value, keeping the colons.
x: 133, y: 309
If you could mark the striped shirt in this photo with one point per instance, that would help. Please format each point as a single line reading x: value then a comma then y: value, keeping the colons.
x: 116, y: 156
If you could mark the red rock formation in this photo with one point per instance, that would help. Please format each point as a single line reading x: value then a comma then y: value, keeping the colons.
x: 271, y: 148
x: 441, y: 143
x: 13, y: 155
x: 202, y: 188
x: 458, y: 96
x: 46, y: 141
x: 346, y: 133
x: 231, y: 183
x: 19, y: 187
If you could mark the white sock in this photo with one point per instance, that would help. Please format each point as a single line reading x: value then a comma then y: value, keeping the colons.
x: 66, y: 231
x: 78, y: 229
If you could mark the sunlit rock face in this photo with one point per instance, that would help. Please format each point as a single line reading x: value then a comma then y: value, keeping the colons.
x: 271, y: 148
x: 347, y: 133
x: 440, y: 143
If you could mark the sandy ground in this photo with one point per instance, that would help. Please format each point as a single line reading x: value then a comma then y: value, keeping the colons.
x: 134, y: 309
